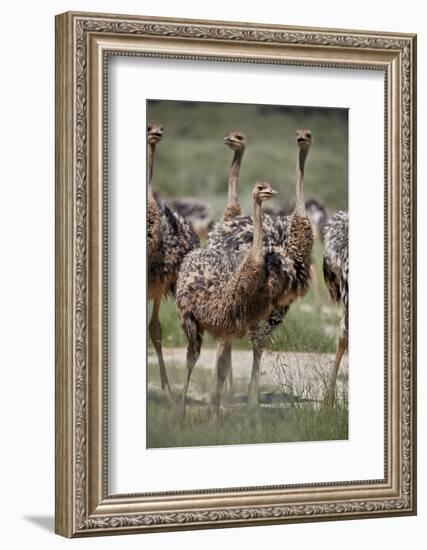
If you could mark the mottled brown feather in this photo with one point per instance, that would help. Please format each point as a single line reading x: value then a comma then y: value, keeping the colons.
x: 176, y: 238
x: 335, y: 258
x: 231, y: 211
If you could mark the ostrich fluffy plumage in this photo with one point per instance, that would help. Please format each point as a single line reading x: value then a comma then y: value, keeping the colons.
x: 216, y: 290
x: 335, y: 258
x: 175, y: 239
x: 335, y: 271
x: 289, y: 269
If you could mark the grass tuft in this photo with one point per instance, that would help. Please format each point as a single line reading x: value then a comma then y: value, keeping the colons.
x: 297, y: 422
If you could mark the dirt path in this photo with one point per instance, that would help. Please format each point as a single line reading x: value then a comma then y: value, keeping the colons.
x: 302, y: 374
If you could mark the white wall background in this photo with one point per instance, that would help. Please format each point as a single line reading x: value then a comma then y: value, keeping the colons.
x: 27, y: 273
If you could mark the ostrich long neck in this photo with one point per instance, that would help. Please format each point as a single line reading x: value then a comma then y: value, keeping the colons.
x: 153, y: 214
x: 151, y: 147
x: 256, y: 249
x: 248, y: 278
x: 233, y: 180
x: 300, y: 230
x: 300, y: 202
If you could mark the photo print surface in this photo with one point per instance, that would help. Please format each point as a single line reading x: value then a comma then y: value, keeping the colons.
x: 247, y: 274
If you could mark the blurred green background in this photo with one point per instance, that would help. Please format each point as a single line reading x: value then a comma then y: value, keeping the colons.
x: 192, y: 159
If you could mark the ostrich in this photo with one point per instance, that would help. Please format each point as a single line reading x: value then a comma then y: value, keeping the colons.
x: 223, y: 294
x: 288, y: 243
x: 335, y: 272
x: 169, y: 239
x: 237, y: 142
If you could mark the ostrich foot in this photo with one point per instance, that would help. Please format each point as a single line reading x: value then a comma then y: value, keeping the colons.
x: 230, y: 383
x: 253, y: 395
x: 179, y: 413
x: 253, y: 402
x: 229, y: 392
x: 168, y: 395
x: 216, y: 414
x: 255, y: 418
x: 329, y: 398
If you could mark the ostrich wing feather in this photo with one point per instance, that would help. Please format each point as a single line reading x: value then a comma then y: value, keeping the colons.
x: 335, y: 259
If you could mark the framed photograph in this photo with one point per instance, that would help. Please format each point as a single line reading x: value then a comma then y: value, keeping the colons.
x: 235, y: 274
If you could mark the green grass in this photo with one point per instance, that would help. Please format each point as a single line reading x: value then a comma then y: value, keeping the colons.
x: 272, y: 425
x: 300, y: 418
x: 297, y: 422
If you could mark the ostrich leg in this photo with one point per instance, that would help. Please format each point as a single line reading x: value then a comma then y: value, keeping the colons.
x: 193, y: 353
x: 315, y: 283
x: 230, y: 380
x: 155, y: 330
x: 258, y: 344
x: 259, y: 335
x: 222, y: 367
x: 341, y: 347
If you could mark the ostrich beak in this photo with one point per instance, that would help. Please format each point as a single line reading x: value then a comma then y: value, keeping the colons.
x: 268, y: 194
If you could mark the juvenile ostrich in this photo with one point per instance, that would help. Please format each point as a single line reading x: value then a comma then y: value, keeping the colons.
x: 223, y: 294
x: 169, y: 239
x: 237, y: 142
x: 335, y: 272
x: 288, y: 243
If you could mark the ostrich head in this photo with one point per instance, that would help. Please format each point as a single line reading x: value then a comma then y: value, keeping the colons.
x: 304, y: 139
x: 154, y: 133
x: 236, y: 141
x: 263, y: 191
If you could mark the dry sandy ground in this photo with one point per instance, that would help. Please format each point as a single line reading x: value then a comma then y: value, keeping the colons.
x: 299, y: 374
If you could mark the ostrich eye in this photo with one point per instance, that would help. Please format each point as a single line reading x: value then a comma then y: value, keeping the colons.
x: 161, y: 128
x: 308, y: 135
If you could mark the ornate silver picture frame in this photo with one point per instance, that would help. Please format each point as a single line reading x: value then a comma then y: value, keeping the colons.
x: 84, y: 42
